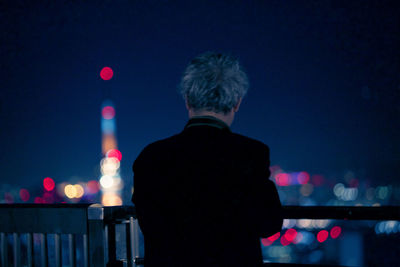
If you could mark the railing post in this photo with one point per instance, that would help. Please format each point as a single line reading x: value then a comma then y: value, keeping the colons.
x: 58, y: 254
x: 30, y: 252
x: 96, y: 238
x: 71, y: 248
x: 134, y: 239
x: 17, y: 250
x: 4, y: 250
x: 44, y: 250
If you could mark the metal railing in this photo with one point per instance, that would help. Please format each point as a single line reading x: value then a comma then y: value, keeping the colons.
x: 97, y: 226
x: 94, y: 223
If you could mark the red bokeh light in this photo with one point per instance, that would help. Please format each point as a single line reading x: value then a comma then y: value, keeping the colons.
x: 24, y: 195
x: 47, y: 198
x: 298, y: 238
x: 48, y: 184
x: 93, y: 187
x: 284, y: 241
x: 336, y: 231
x: 290, y: 234
x: 354, y: 182
x: 322, y: 236
x: 38, y: 200
x: 8, y: 197
x: 106, y: 73
x: 108, y: 112
x: 317, y: 180
x: 114, y: 153
x: 303, y: 178
x: 269, y: 240
x: 282, y: 179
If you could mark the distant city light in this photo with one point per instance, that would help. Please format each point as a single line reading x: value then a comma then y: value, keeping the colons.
x: 336, y: 231
x: 109, y: 142
x: 92, y: 187
x: 109, y: 166
x: 303, y: 178
x: 269, y: 240
x: 306, y: 189
x: 70, y: 191
x: 38, y: 200
x: 106, y: 73
x: 79, y: 191
x: 114, y: 153
x: 290, y: 234
x: 317, y: 179
x: 322, y: 236
x: 24, y: 194
x: 48, y: 184
x: 282, y: 179
x: 106, y: 181
x: 8, y: 197
x: 108, y: 112
x: 111, y: 199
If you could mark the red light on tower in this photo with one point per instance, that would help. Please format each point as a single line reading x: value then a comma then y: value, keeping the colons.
x: 114, y: 153
x: 108, y: 112
x: 106, y: 73
x: 48, y: 184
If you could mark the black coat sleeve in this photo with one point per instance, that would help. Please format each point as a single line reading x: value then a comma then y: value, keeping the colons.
x: 267, y: 208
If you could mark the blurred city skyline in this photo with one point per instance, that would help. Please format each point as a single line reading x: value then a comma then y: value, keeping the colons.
x: 324, y: 82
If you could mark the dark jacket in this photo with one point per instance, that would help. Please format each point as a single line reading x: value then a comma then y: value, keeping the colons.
x: 203, y: 197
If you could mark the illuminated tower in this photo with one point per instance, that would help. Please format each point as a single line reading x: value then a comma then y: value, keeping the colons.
x: 110, y: 180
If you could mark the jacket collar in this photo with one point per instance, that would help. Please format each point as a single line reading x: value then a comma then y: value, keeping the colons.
x: 207, y: 121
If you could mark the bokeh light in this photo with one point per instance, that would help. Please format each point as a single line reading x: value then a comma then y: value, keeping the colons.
x: 322, y: 236
x: 106, y: 73
x: 79, y: 191
x: 282, y: 179
x: 106, y: 181
x: 70, y: 191
x: 24, y: 195
x: 38, y: 200
x: 303, y: 178
x: 109, y: 166
x: 114, y: 153
x: 108, y: 112
x: 109, y: 142
x: 290, y: 234
x: 111, y: 199
x: 92, y: 187
x: 8, y: 197
x: 48, y: 184
x: 336, y: 231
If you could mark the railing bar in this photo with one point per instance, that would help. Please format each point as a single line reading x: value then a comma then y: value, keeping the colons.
x: 85, y: 251
x: 106, y: 242
x: 44, y: 250
x: 58, y: 255
x: 17, y: 250
x: 112, y: 255
x: 129, y: 243
x: 72, y: 248
x: 134, y: 240
x: 29, y: 241
x: 4, y: 250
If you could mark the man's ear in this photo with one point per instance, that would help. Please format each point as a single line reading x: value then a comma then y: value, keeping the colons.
x: 236, y: 107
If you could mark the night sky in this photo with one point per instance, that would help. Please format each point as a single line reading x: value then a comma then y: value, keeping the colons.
x: 324, y: 82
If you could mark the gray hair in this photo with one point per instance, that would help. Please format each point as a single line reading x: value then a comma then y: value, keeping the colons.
x: 213, y: 82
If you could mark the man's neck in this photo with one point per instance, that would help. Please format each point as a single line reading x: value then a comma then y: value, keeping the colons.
x: 227, y: 118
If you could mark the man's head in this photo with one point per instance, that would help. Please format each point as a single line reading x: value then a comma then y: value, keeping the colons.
x: 214, y: 84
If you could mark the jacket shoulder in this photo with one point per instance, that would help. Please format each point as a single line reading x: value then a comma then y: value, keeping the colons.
x: 249, y: 142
